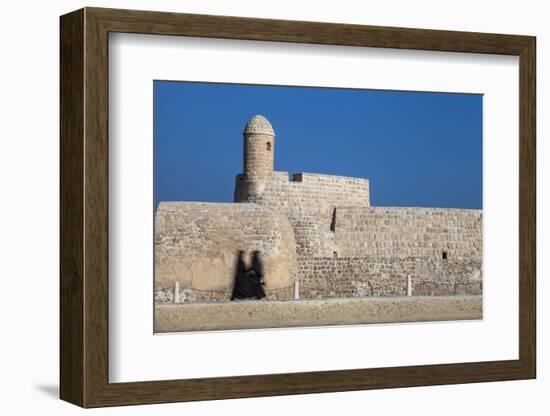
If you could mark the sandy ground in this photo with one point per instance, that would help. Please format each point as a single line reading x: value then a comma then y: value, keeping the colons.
x: 295, y: 313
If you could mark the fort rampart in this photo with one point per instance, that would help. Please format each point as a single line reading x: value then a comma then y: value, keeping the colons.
x: 319, y: 237
x: 437, y: 233
x: 196, y: 245
x: 306, y: 193
x: 326, y: 277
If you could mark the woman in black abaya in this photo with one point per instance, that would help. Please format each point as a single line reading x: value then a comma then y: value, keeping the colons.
x: 248, y: 282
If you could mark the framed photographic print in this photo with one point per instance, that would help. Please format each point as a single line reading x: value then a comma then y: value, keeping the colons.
x: 267, y: 236
x: 255, y: 207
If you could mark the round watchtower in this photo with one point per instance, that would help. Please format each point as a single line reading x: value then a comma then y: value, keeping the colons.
x: 259, y: 147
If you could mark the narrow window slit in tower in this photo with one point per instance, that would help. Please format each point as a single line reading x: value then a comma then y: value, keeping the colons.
x: 444, y: 255
x: 269, y: 146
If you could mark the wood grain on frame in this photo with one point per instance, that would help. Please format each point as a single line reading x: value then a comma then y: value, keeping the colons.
x: 84, y: 207
x: 71, y: 218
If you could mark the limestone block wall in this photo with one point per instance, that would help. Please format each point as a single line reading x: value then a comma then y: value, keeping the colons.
x: 307, y: 193
x: 308, y: 200
x: 444, y: 277
x: 196, y: 245
x: 322, y: 231
x: 370, y: 251
x: 402, y: 232
x: 325, y: 277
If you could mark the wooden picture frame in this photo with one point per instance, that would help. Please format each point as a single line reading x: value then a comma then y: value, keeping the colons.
x: 84, y: 207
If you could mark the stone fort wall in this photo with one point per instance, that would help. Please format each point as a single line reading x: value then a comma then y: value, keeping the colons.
x: 325, y: 277
x: 317, y: 230
x: 332, y: 251
x: 309, y: 201
x: 347, y: 248
x: 376, y: 250
x: 331, y: 215
x: 402, y: 232
x: 305, y: 193
x: 196, y: 246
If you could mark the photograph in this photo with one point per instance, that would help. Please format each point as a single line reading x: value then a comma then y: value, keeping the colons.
x: 280, y: 206
x: 270, y: 205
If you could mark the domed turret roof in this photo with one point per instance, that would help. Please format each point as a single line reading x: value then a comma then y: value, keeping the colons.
x: 259, y: 125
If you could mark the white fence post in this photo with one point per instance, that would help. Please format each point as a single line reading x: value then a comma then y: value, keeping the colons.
x: 409, y: 285
x: 296, y: 290
x: 177, y: 292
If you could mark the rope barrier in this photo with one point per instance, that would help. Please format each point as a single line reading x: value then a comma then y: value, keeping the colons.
x: 230, y: 291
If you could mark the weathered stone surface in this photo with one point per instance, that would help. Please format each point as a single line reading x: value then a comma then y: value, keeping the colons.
x: 317, y: 230
x: 259, y: 314
x: 403, y: 231
x: 258, y: 157
x: 321, y: 277
x: 196, y: 244
x: 260, y: 125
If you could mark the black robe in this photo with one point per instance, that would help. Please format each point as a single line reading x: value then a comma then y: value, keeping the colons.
x: 248, y: 285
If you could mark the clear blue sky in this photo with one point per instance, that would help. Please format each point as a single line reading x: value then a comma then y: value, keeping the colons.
x: 417, y: 148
